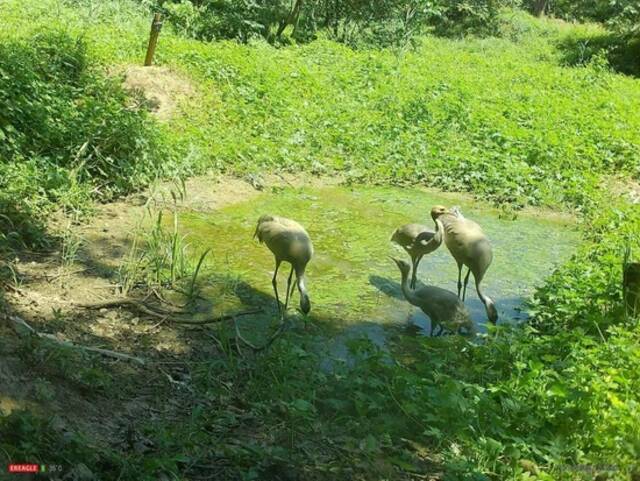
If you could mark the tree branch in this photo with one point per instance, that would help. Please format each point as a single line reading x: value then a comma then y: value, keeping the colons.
x: 21, y: 327
x: 142, y: 307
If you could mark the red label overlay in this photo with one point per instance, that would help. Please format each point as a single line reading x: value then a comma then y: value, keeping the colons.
x: 24, y: 468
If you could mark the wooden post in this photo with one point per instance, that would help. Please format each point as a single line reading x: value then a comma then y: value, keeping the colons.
x: 156, y: 25
x: 631, y: 288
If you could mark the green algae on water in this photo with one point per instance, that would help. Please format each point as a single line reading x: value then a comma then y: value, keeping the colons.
x: 351, y: 278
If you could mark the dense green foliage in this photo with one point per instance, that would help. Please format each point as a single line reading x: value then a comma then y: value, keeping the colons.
x: 617, y: 13
x: 585, y: 294
x: 56, y: 110
x: 499, y: 117
x: 619, y: 44
x: 67, y: 132
x: 444, y: 116
x: 400, y: 22
x: 378, y: 22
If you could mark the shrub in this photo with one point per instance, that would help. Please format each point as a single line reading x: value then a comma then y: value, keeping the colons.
x: 54, y: 107
x: 65, y: 130
x: 586, y: 292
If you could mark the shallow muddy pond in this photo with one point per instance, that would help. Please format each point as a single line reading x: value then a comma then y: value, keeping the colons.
x: 353, y: 284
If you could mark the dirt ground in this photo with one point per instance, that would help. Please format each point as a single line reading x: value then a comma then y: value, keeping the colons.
x: 625, y: 187
x: 48, y: 286
x: 46, y: 295
x: 161, y: 88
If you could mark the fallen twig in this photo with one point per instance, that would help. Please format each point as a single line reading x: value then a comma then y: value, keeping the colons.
x: 124, y: 301
x: 239, y: 336
x: 22, y: 328
x: 178, y: 307
x: 212, y: 320
x: 253, y: 347
x: 170, y: 378
x: 217, y: 341
x: 63, y: 273
x: 157, y: 324
x: 142, y: 307
x: 14, y: 289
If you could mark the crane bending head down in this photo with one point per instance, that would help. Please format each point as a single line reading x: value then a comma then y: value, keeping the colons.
x: 443, y: 307
x: 288, y: 241
x: 469, y: 246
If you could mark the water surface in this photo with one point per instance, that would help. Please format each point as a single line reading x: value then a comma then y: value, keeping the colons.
x: 353, y: 284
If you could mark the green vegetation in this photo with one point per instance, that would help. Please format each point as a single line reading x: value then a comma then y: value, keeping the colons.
x: 443, y: 116
x: 364, y: 285
x: 399, y: 23
x: 159, y: 257
x: 377, y: 22
x: 532, y: 115
x: 66, y: 133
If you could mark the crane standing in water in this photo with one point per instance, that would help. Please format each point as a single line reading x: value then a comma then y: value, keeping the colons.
x: 405, y: 236
x: 443, y: 307
x: 289, y: 242
x: 469, y: 247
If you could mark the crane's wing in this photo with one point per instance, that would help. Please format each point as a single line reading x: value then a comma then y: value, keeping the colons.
x: 455, y: 210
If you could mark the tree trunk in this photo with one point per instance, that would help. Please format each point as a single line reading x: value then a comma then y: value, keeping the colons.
x: 539, y: 6
x: 292, y: 17
x: 631, y: 288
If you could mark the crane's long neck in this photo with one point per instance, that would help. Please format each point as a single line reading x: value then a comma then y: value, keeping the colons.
x: 406, y: 289
x: 489, y: 305
x: 301, y: 284
x: 305, y: 303
x: 438, y: 237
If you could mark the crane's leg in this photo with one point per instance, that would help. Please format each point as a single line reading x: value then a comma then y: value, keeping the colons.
x: 274, y: 283
x: 433, y: 325
x: 466, y: 281
x: 293, y: 289
x: 459, y: 279
x: 289, y: 290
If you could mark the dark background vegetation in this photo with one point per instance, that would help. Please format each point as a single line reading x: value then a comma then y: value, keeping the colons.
x: 379, y: 23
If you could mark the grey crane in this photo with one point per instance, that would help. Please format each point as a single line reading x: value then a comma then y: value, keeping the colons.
x: 443, y: 307
x: 469, y: 247
x: 289, y: 242
x: 405, y: 236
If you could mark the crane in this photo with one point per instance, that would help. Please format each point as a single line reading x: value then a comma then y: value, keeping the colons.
x: 443, y: 307
x: 468, y: 245
x: 405, y: 236
x: 289, y: 242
